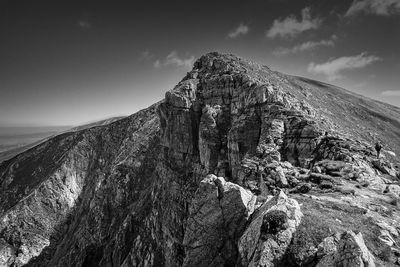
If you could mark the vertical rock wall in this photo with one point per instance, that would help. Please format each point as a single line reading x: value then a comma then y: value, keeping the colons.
x: 218, y: 116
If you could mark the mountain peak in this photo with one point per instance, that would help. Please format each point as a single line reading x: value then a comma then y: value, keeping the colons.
x: 226, y: 63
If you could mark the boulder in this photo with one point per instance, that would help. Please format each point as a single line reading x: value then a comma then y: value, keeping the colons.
x: 328, y: 246
x: 384, y: 167
x: 350, y: 252
x: 326, y: 184
x: 393, y: 189
x: 218, y: 214
x: 301, y: 188
x: 7, y: 253
x: 270, y: 232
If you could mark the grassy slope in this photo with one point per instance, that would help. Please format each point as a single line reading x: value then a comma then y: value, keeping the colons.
x: 351, y: 114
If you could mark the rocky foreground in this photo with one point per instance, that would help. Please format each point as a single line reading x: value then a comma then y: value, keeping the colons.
x: 238, y: 166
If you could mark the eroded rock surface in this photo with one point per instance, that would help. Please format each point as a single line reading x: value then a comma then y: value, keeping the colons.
x: 350, y: 251
x: 218, y: 215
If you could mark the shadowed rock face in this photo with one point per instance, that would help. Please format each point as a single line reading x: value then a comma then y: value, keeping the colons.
x: 218, y: 214
x: 66, y: 201
x: 217, y: 174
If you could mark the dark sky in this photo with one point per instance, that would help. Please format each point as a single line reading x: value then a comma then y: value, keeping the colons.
x: 70, y: 62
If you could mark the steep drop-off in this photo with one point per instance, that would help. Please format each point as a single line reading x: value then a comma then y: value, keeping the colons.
x: 239, y: 165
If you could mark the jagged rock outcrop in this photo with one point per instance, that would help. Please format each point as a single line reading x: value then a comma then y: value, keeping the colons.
x: 270, y: 231
x: 217, y: 173
x: 350, y: 251
x: 218, y: 215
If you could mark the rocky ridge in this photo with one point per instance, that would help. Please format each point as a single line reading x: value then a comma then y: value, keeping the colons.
x: 238, y: 166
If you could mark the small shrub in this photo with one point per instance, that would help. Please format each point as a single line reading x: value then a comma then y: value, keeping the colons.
x: 273, y: 222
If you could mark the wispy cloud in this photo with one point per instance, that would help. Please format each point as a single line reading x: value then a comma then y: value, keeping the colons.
x: 306, y: 46
x: 332, y: 69
x: 290, y: 26
x: 84, y: 24
x: 173, y: 59
x: 391, y: 93
x: 242, y: 29
x: 377, y: 7
x: 146, y: 55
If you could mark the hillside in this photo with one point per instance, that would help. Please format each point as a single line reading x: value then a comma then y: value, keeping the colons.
x: 23, y: 139
x: 14, y: 140
x: 239, y: 165
x: 95, y: 124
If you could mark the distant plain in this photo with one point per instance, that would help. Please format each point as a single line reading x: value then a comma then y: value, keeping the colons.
x: 14, y: 140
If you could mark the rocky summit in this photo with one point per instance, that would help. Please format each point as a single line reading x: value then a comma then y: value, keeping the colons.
x: 239, y: 165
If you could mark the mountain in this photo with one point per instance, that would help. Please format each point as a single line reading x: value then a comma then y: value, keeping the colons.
x: 96, y: 123
x: 239, y: 165
x: 18, y: 139
x: 14, y: 140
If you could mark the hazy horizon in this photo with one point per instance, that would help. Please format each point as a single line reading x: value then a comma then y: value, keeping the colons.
x: 43, y: 126
x: 68, y: 63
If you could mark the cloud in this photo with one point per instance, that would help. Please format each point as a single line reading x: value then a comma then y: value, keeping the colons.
x: 174, y: 60
x: 332, y: 69
x: 306, y: 46
x: 242, y: 29
x: 391, y: 93
x: 146, y: 55
x: 84, y: 24
x: 377, y: 7
x: 290, y: 26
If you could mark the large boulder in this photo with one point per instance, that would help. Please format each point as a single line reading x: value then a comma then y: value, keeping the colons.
x: 384, y: 167
x: 218, y: 214
x: 351, y: 251
x: 270, y: 232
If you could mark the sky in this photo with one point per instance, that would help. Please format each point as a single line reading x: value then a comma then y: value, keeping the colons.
x: 70, y: 62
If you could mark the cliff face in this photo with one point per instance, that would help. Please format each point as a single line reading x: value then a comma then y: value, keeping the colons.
x: 71, y: 194
x: 239, y: 165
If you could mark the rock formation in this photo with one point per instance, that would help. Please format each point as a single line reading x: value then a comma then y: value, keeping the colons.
x: 269, y: 233
x: 218, y: 214
x: 239, y: 165
x: 350, y: 251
